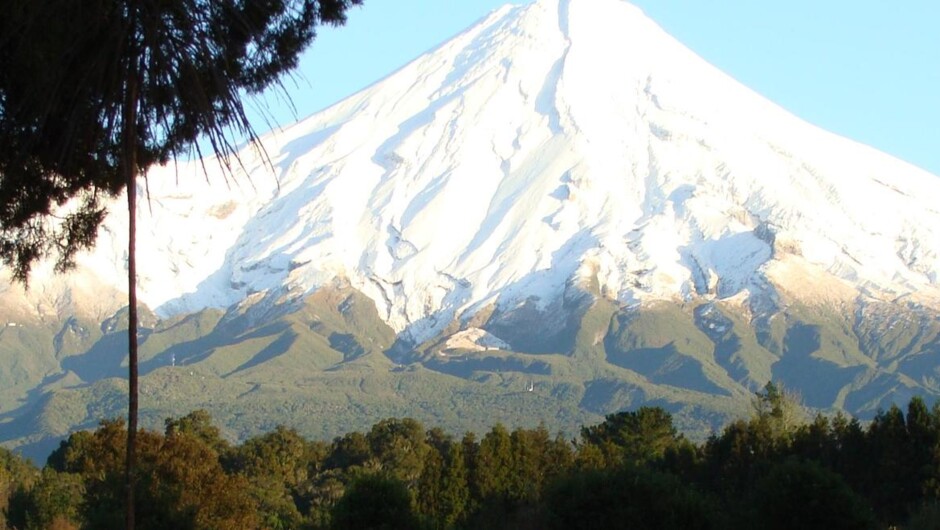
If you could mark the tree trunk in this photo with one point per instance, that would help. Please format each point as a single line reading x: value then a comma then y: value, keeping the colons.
x: 130, y: 174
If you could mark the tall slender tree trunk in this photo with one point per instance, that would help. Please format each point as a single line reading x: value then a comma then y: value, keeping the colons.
x: 130, y: 174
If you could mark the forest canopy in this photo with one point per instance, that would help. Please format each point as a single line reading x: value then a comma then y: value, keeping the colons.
x: 632, y: 469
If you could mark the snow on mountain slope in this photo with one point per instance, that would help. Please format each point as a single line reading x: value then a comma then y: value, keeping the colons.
x: 562, y: 139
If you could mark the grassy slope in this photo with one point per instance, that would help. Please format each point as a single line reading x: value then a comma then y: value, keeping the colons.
x: 323, y: 367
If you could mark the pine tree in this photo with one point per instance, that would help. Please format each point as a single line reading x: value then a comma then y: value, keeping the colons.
x: 428, y: 494
x: 455, y: 492
x: 633, y: 436
x: 93, y: 93
x: 779, y: 408
x: 494, y: 463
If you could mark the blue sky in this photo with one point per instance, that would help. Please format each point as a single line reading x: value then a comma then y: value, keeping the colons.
x: 865, y: 69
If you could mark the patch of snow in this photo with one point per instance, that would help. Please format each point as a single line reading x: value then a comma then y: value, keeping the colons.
x: 474, y: 339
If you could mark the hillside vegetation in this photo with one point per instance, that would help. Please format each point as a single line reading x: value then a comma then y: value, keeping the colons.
x: 328, y: 363
x: 634, y: 469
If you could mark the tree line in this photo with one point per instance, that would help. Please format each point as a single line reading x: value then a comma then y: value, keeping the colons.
x: 772, y: 470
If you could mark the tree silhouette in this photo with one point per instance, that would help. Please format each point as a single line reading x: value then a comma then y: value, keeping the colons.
x: 779, y: 408
x: 627, y: 497
x: 633, y: 437
x: 92, y: 93
x: 375, y: 502
x: 798, y: 494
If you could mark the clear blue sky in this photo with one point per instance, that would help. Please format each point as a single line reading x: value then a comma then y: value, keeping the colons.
x: 865, y: 69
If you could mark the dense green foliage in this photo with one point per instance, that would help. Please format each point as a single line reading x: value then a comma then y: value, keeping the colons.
x: 634, y: 470
x: 330, y: 365
x: 628, y: 498
x: 94, y: 93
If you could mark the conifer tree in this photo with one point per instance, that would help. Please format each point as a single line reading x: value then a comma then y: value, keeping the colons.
x: 494, y: 463
x: 428, y: 491
x: 93, y: 93
x: 779, y: 408
x: 633, y: 436
x: 454, y: 491
x: 442, y: 492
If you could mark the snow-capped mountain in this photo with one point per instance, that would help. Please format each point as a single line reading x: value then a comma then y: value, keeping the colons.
x: 562, y: 139
x: 556, y: 148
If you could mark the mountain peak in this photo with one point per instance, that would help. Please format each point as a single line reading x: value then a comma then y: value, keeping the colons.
x: 562, y: 144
